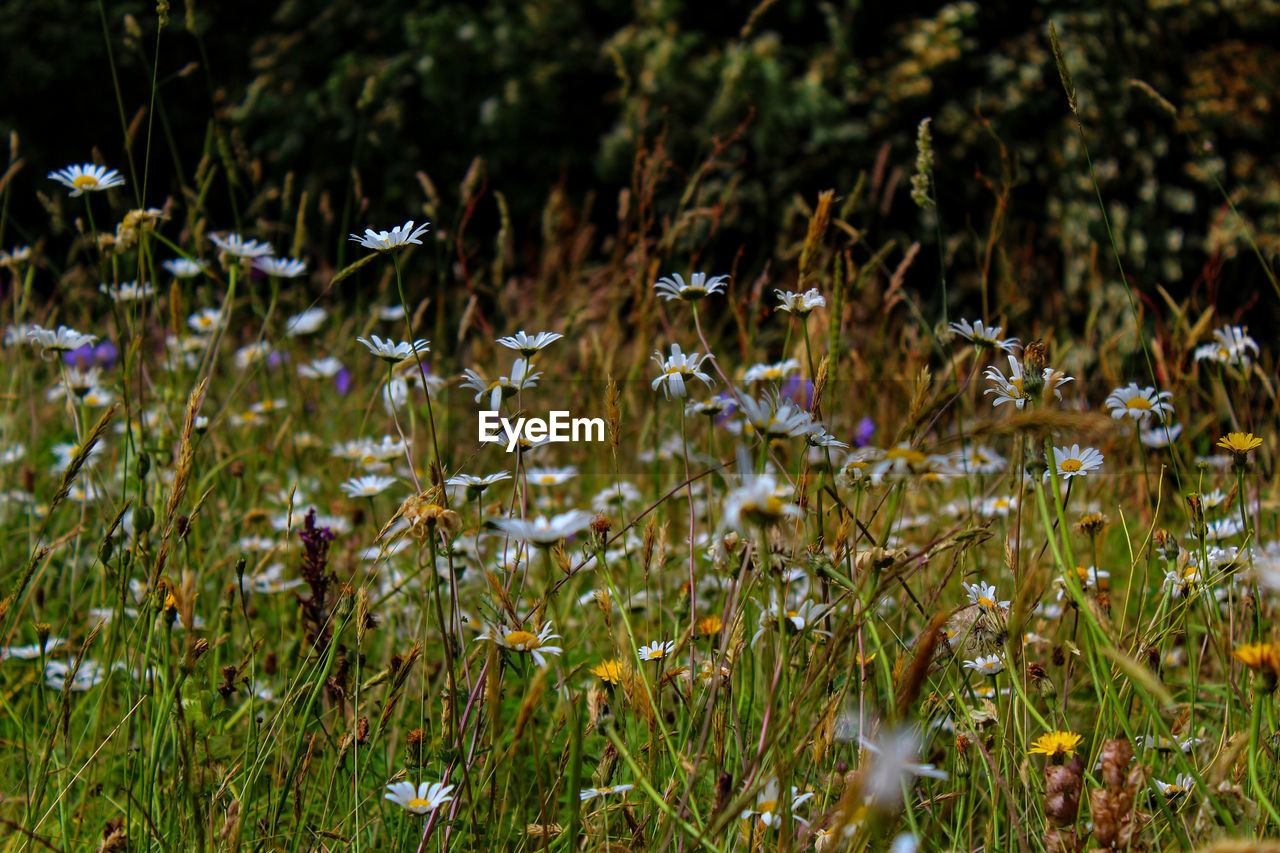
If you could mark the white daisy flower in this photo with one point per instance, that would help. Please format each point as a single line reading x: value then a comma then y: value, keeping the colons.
x: 183, y: 267
x: 984, y: 595
x: 529, y: 345
x: 1223, y: 528
x: 771, y: 372
x: 520, y: 640
x: 129, y: 291
x: 699, y: 286
x: 894, y: 766
x: 1075, y: 462
x: 776, y: 417
x: 998, y: 506
x: 280, y: 267
x: 62, y: 339
x: 384, y: 241
x: 656, y: 651
x: 394, y: 351
x: 475, y: 486
x: 32, y: 651
x: 206, y: 321
x: 389, y: 313
x: 591, y: 793
x: 1162, y: 435
x: 306, y: 322
x: 1139, y: 403
x: 241, y: 247
x: 1179, y: 787
x: 989, y: 665
x: 89, y: 675
x: 87, y: 178
x: 1231, y: 345
x: 271, y: 580
x: 425, y: 798
x: 676, y: 368
x: 759, y: 500
x: 1182, y: 583
x: 255, y: 543
x: 799, y: 620
x: 800, y: 304
x: 545, y: 531
x: 1011, y: 389
x: 983, y: 336
x: 367, y: 486
x: 320, y: 368
x: 768, y: 807
x: 617, y: 496
x: 251, y: 354
x: 522, y: 376
x: 710, y: 407
x: 551, y: 476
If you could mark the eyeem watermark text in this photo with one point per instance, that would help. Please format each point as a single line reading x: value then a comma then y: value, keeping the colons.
x: 558, y: 427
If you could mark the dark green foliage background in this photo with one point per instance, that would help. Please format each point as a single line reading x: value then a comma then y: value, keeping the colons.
x: 564, y: 94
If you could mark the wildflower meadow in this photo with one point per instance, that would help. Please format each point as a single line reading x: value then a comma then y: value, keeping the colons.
x: 644, y: 521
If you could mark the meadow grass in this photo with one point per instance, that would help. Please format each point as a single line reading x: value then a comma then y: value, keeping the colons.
x: 840, y: 573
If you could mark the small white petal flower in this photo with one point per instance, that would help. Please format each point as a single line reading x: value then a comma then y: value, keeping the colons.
x: 529, y: 345
x: 676, y: 368
x: 62, y: 339
x: 281, y: 267
x: 320, y: 368
x: 800, y: 304
x: 87, y: 178
x: 1075, y: 462
x: 383, y: 241
x: 306, y: 322
x: 184, y: 267
x: 986, y: 665
x: 129, y: 291
x: 394, y: 351
x: 1139, y: 403
x: 241, y: 247
x: 591, y: 793
x: 367, y: 486
x: 544, y: 531
x: 656, y: 651
x: 424, y: 798
x: 983, y: 336
x: 520, y: 640
x: 675, y: 287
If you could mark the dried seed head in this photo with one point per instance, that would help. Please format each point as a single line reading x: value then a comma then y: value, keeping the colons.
x: 1116, y: 757
x: 1092, y: 524
x: 1062, y: 783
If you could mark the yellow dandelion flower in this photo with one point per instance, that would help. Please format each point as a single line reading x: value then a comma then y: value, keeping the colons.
x: 1263, y: 657
x: 710, y: 626
x: 609, y: 671
x: 1240, y: 443
x: 1056, y: 743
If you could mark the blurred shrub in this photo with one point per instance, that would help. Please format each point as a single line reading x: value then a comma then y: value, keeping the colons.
x: 787, y: 97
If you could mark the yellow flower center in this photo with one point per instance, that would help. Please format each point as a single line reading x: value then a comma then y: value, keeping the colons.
x: 523, y: 640
x: 654, y: 654
x: 547, y: 479
x: 1072, y: 465
x: 912, y: 457
x: 767, y: 806
x: 1139, y: 403
x: 986, y: 602
x: 1017, y: 385
x: 84, y: 182
x: 418, y: 803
